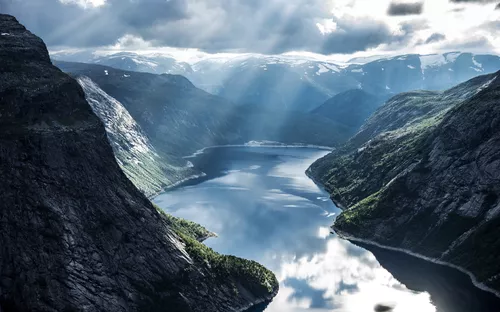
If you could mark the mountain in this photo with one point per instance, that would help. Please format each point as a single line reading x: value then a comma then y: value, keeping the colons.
x: 271, y: 82
x: 350, y: 108
x: 152, y: 63
x: 284, y: 82
x: 172, y: 118
x: 149, y: 168
x: 76, y: 233
x: 422, y: 175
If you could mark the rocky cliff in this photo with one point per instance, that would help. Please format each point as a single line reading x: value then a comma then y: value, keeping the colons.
x: 153, y: 121
x: 76, y: 234
x: 149, y: 168
x: 422, y: 175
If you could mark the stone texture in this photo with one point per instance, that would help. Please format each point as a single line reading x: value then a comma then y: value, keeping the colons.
x: 429, y: 183
x: 76, y: 234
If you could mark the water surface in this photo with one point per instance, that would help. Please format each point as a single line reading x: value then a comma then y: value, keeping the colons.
x: 263, y: 207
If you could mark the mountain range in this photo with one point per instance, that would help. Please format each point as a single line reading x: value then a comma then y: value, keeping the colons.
x: 301, y: 83
x: 422, y: 176
x: 153, y: 121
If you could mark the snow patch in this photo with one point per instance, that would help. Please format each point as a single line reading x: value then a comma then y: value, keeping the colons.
x: 106, y: 72
x: 451, y: 57
x: 5, y: 34
x: 479, y: 66
x: 143, y: 62
x: 411, y: 67
x: 322, y: 69
x: 358, y: 70
x: 126, y: 76
x: 432, y: 60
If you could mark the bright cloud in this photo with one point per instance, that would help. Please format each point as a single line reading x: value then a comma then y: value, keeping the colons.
x: 348, y: 27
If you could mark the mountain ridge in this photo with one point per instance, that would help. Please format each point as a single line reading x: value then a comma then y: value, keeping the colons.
x: 76, y: 233
x: 426, y: 184
x: 304, y: 83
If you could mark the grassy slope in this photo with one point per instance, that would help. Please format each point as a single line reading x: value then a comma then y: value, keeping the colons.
x: 192, y: 234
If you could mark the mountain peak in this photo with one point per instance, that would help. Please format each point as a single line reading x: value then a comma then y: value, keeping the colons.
x: 18, y: 43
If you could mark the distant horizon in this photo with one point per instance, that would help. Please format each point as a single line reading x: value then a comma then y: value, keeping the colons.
x: 193, y: 57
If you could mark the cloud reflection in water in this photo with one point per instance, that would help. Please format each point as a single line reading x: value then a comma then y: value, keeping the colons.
x: 266, y: 209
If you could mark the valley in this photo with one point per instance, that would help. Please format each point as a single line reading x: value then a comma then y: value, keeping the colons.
x: 330, y: 156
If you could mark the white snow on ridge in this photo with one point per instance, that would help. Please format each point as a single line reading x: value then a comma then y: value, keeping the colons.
x: 322, y: 69
x: 477, y: 64
x: 432, y: 60
x: 147, y: 63
x: 331, y: 67
x: 452, y: 56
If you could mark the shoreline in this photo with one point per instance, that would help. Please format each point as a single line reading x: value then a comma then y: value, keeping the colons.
x: 352, y: 238
x: 472, y: 277
x: 261, y: 144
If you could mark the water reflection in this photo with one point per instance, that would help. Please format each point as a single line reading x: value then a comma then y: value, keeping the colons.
x: 263, y: 207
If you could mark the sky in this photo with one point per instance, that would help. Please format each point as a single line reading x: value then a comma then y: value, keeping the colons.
x: 317, y: 27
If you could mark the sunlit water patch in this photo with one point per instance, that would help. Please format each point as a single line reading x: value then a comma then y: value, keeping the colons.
x: 263, y: 207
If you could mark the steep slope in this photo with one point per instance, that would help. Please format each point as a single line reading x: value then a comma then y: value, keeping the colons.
x: 285, y: 82
x: 350, y: 108
x: 76, y: 234
x: 149, y: 169
x: 183, y: 118
x: 428, y: 181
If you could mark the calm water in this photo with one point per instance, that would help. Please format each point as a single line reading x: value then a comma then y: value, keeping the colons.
x: 263, y: 207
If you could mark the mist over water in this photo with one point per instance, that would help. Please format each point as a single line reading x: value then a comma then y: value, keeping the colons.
x: 263, y: 207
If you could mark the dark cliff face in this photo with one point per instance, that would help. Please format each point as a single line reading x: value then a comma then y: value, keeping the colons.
x: 76, y: 233
x: 429, y: 185
x: 197, y: 119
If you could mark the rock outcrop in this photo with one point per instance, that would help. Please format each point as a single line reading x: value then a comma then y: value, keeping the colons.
x: 150, y: 169
x: 422, y: 175
x: 76, y: 234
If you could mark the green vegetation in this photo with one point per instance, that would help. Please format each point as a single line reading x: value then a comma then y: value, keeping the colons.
x: 361, y: 211
x: 187, y: 228
x: 224, y: 267
x: 229, y: 266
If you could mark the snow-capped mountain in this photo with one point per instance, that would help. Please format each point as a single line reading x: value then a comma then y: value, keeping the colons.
x: 166, y: 115
x: 151, y: 63
x: 304, y: 83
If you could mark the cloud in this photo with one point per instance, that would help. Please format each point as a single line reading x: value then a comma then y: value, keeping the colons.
x: 265, y: 26
x: 262, y: 26
x: 398, y: 9
x: 477, y: 44
x: 473, y: 1
x: 435, y: 37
